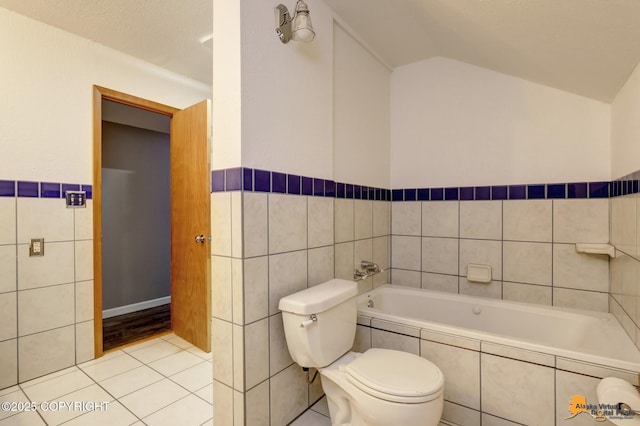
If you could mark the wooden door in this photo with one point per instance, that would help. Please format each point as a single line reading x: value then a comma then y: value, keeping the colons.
x: 190, y: 218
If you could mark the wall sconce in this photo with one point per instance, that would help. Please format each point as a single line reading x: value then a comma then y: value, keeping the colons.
x: 301, y: 30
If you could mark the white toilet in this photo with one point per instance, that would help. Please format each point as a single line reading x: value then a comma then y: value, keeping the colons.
x: 378, y: 387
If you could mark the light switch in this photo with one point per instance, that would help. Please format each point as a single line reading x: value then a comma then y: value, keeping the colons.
x: 76, y: 199
x: 36, y: 247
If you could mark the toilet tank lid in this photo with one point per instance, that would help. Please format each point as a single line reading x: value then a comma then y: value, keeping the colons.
x: 319, y: 298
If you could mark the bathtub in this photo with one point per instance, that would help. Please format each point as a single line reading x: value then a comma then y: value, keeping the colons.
x: 585, y: 336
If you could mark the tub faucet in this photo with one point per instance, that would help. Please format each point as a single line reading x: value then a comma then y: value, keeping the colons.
x: 367, y: 269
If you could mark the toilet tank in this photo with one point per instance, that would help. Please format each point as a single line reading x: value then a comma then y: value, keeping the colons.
x: 320, y: 341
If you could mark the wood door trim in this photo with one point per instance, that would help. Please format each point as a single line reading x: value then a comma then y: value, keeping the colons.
x: 100, y: 94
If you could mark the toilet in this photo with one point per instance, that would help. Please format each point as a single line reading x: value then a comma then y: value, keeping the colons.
x: 379, y: 387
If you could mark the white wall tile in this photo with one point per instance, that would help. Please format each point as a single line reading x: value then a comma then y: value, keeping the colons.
x: 440, y: 219
x: 481, y: 219
x: 84, y: 260
x: 223, y: 396
x: 221, y: 288
x: 381, y: 218
x: 236, y: 224
x: 362, y: 342
x: 221, y: 223
x: 568, y: 385
x: 405, y: 252
x: 578, y: 299
x: 581, y: 221
x: 55, y: 267
x: 257, y: 405
x: 83, y: 222
x: 459, y: 415
x: 8, y: 316
x: 289, y: 395
x: 482, y: 253
x: 239, y: 367
x: 440, y: 282
x: 287, y: 223
x: 489, y: 420
x: 46, y: 352
x: 362, y: 250
x: 388, y: 340
x: 440, y: 255
x: 504, y: 395
x: 85, y: 343
x: 238, y: 409
x: 344, y: 227
x: 461, y: 369
x: 406, y: 218
x: 256, y: 346
x: 8, y: 268
x: 320, y: 213
x: 629, y: 218
x: 381, y: 257
x: 528, y: 220
x: 404, y: 277
x: 237, y: 285
x: 45, y: 308
x: 344, y: 258
x: 287, y: 275
x: 7, y: 220
x: 256, y: 288
x: 222, y: 351
x: 321, y: 265
x: 615, y: 218
x: 8, y: 363
x: 527, y: 293
x: 46, y: 218
x: 363, y: 219
x: 84, y: 301
x: 278, y: 349
x: 527, y: 262
x: 256, y: 230
x: 492, y: 290
x: 579, y: 270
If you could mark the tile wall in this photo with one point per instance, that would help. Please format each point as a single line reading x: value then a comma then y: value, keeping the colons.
x: 46, y: 303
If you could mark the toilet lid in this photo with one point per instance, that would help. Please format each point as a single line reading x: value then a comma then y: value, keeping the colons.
x: 395, y: 376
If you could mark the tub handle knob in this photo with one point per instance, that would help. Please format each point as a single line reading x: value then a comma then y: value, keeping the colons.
x: 477, y: 310
x: 311, y: 320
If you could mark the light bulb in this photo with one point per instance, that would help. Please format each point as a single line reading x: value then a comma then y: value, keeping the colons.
x: 302, y: 29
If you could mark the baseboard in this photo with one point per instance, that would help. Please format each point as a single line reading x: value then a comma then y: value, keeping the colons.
x: 121, y: 310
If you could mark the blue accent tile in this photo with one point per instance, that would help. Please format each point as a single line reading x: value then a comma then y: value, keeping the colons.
x: 557, y: 190
x: 535, y: 192
x: 397, y: 195
x: 340, y: 191
x: 247, y: 179
x: 349, y: 190
x: 307, y: 185
x: 49, y: 190
x: 598, y: 189
x: 618, y: 188
x: 378, y: 194
x: 318, y: 187
x: 410, y: 195
x: 517, y: 192
x: 387, y: 195
x: 27, y: 189
x: 262, y: 180
x: 437, y: 194
x: 499, y: 192
x: 293, y: 184
x: 88, y: 189
x: 278, y: 182
x: 483, y: 192
x: 451, y: 194
x: 233, y: 179
x: 466, y: 193
x: 329, y: 188
x: 634, y: 186
x: 626, y: 187
x: 577, y: 190
x: 423, y: 194
x: 372, y: 193
x: 7, y: 188
x: 365, y: 193
x: 217, y: 180
x: 69, y: 187
x: 357, y: 192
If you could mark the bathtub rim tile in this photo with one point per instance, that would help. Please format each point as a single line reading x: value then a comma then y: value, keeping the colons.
x: 518, y: 354
x: 450, y: 339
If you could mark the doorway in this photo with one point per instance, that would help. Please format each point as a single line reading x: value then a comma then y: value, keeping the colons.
x: 188, y: 216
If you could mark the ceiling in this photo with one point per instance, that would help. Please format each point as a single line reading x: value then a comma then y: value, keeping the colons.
x: 587, y: 47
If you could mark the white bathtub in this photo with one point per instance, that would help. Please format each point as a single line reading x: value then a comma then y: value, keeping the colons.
x: 585, y: 336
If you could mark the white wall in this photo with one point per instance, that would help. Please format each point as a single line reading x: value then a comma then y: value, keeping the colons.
x: 625, y: 128
x: 454, y: 124
x: 361, y: 114
x: 46, y: 80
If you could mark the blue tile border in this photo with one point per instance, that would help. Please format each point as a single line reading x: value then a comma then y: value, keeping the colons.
x: 7, y: 188
x: 35, y: 189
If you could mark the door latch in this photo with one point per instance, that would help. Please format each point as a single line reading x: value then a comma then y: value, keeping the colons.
x: 200, y: 239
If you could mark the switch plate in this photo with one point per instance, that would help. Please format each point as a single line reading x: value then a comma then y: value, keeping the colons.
x: 36, y: 247
x: 76, y: 199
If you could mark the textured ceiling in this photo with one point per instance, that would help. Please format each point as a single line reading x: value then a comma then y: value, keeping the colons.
x: 163, y: 32
x: 588, y: 47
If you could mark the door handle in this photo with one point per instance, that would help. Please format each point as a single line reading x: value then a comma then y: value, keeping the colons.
x: 200, y: 239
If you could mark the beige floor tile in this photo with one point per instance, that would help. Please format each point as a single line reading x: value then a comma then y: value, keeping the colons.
x: 48, y: 377
x: 28, y: 418
x: 15, y: 396
x: 195, y: 377
x: 57, y: 386
x: 206, y: 393
x: 116, y: 414
x: 153, y: 397
x: 178, y: 341
x: 155, y: 351
x: 175, y: 363
x: 189, y: 411
x: 112, y: 367
x: 104, y: 358
x: 92, y: 393
x: 199, y: 352
x: 311, y: 418
x: 130, y: 381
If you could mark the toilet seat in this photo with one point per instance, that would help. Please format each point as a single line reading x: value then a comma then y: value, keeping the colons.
x: 395, y: 376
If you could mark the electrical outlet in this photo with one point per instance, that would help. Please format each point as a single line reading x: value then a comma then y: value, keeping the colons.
x: 36, y: 247
x: 76, y: 199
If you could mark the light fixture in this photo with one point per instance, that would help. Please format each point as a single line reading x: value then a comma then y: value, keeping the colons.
x: 301, y: 30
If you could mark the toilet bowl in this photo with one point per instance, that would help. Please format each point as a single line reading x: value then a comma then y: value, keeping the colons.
x: 379, y: 387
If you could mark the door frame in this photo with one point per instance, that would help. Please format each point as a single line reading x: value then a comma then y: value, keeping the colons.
x: 100, y: 94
